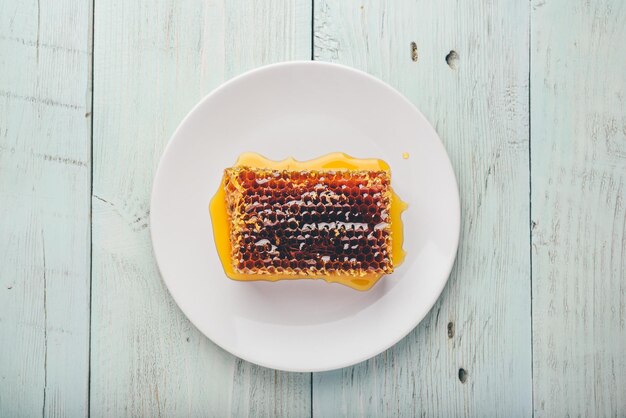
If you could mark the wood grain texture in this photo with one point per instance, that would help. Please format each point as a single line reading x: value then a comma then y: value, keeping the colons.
x: 45, y: 181
x: 468, y: 73
x: 153, y: 62
x: 578, y: 91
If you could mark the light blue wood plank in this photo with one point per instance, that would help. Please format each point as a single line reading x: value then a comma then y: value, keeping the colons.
x: 578, y: 113
x: 45, y: 83
x: 153, y: 62
x: 477, y: 100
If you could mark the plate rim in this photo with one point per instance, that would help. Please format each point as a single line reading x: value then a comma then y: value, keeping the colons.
x: 449, y: 263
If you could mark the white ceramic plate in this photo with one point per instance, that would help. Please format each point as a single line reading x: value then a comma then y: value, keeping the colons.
x: 304, y: 110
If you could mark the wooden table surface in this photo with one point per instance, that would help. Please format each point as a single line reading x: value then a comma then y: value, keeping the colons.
x: 529, y: 98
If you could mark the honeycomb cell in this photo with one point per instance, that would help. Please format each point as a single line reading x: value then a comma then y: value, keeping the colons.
x: 294, y: 209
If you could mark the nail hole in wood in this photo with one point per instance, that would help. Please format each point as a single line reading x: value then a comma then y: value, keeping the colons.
x: 413, y: 51
x: 452, y: 59
x: 462, y: 375
x: 450, y: 329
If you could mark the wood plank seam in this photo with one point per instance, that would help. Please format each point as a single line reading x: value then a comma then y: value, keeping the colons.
x: 530, y: 208
x: 91, y: 132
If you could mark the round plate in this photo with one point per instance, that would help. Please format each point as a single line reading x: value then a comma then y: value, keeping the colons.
x: 303, y: 110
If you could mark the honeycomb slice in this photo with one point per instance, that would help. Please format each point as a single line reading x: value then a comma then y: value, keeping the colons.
x: 309, y: 222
